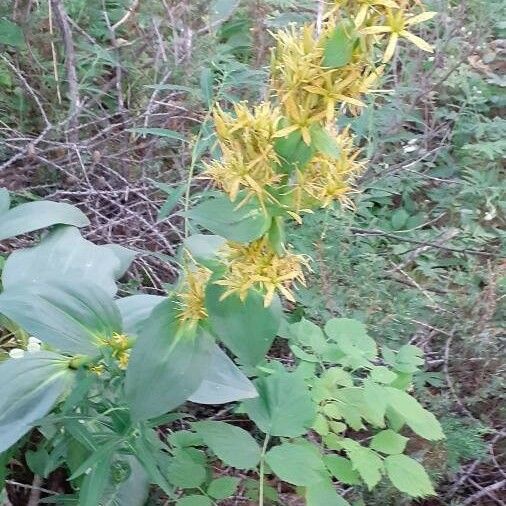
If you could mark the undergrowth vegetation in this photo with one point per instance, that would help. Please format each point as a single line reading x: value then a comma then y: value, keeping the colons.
x: 233, y: 274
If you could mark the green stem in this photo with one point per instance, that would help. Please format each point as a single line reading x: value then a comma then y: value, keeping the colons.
x: 262, y: 471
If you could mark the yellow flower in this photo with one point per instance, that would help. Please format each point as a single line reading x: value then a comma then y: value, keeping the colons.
x: 191, y: 294
x: 120, y: 345
x: 257, y: 266
x: 397, y: 22
x: 325, y: 179
x: 367, y: 5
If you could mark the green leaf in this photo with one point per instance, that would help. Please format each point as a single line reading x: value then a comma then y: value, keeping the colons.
x: 338, y: 49
x: 158, y: 132
x: 324, y: 142
x: 135, y: 489
x: 399, y: 218
x: 324, y: 494
x: 11, y: 34
x: 375, y: 402
x: 73, y: 318
x: 184, y: 472
x: 194, y: 500
x: 171, y: 202
x: 421, y: 421
x: 284, y: 406
x: 167, y: 364
x: 388, y: 442
x: 223, y: 487
x: 36, y: 215
x: 5, y: 201
x: 297, y: 464
x: 135, y: 309
x: 381, y: 374
x: 204, y: 248
x: 64, y: 254
x: 95, y: 483
x: 408, y: 476
x: 342, y: 469
x: 222, y: 217
x: 293, y: 151
x: 246, y: 327
x: 223, y: 382
x: 233, y: 445
x: 351, y: 337
x: 309, y: 334
x: 365, y: 461
x: 31, y: 385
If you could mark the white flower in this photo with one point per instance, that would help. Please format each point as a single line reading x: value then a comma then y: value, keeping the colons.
x: 16, y: 353
x: 34, y: 340
x: 409, y: 149
x: 32, y: 347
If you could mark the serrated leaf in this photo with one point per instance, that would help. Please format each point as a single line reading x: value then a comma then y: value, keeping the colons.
x: 365, y: 461
x: 381, y: 374
x: 421, y: 421
x: 297, y: 464
x: 284, y: 406
x: 408, y: 476
x: 324, y: 494
x: 388, y: 442
x: 341, y: 469
x: 233, y: 445
x: 184, y: 472
x: 223, y: 487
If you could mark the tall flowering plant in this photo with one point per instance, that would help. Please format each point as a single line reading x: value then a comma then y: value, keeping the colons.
x: 98, y: 374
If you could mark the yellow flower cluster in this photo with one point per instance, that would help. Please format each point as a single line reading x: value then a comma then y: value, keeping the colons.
x: 256, y: 265
x: 191, y: 294
x: 120, y: 346
x: 326, y: 179
x: 309, y: 84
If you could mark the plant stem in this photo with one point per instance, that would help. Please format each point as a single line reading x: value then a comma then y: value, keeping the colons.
x: 262, y: 471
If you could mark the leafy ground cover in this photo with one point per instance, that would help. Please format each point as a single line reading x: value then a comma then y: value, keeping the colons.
x: 417, y: 258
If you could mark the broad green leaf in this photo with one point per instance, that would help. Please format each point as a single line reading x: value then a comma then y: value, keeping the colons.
x: 284, y: 406
x: 194, y: 500
x: 293, y: 151
x: 246, y: 328
x: 158, y: 132
x: 135, y: 309
x: 36, y: 215
x: 135, y: 489
x: 73, y: 317
x: 167, y: 364
x: 95, y: 482
x: 231, y: 444
x: 223, y: 382
x: 376, y: 403
x: 352, y: 338
x: 342, y: 469
x: 324, y: 494
x: 388, y: 442
x: 297, y: 464
x: 204, y: 248
x: 308, y: 334
x: 11, y: 34
x: 408, y: 358
x: 223, y: 487
x: 399, y: 218
x: 381, y: 374
x: 31, y: 385
x: 324, y: 142
x: 184, y: 472
x: 5, y: 201
x: 365, y: 461
x: 222, y: 217
x: 421, y: 421
x: 408, y: 476
x: 64, y: 254
x: 338, y: 49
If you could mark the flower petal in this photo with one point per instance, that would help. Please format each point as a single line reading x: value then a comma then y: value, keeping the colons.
x: 372, y: 30
x: 420, y: 18
x: 417, y: 41
x: 389, y: 52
